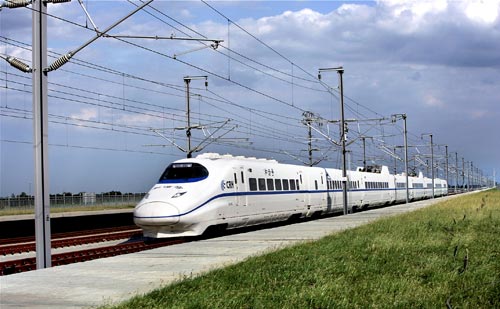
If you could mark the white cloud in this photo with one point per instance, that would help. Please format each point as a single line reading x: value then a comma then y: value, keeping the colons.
x: 433, y: 101
x: 86, y: 114
x: 484, y: 11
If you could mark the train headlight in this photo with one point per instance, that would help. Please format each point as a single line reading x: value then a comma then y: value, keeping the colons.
x: 178, y: 194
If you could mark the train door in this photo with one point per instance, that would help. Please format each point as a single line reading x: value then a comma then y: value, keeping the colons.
x: 302, y: 198
x: 239, y: 187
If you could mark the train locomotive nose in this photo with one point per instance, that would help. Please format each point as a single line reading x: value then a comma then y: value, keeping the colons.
x: 156, y: 213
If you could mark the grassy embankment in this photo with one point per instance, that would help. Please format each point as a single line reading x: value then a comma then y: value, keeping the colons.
x: 447, y: 255
x: 31, y: 211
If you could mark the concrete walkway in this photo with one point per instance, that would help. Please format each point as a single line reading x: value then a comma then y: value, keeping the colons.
x: 115, y: 279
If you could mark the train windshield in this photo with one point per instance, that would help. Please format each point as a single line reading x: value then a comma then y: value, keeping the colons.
x: 184, y: 172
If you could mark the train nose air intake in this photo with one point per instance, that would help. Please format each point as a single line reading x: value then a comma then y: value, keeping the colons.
x: 156, y: 213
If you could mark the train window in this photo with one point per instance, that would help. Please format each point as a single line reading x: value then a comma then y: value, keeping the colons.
x: 321, y: 179
x: 285, y: 184
x: 316, y: 184
x: 262, y: 184
x: 270, y: 184
x: 242, y: 177
x: 277, y: 184
x: 235, y: 179
x: 253, y: 184
x: 297, y: 181
x: 300, y: 178
x: 183, y: 172
x: 292, y: 184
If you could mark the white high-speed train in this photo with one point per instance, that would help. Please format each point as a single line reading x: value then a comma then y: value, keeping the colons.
x: 224, y: 192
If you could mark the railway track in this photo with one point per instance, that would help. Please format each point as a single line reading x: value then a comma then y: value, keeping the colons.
x: 132, y: 242
x: 27, y: 244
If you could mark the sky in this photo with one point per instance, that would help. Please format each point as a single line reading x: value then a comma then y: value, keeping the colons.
x: 117, y: 110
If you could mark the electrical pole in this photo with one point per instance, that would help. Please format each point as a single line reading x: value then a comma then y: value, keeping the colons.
x: 340, y: 71
x: 188, y: 116
x: 309, y: 142
x: 432, y: 162
x: 395, y: 161
x: 343, y: 136
x: 308, y: 121
x: 456, y: 174
x: 403, y: 116
x: 187, y: 80
x: 40, y: 136
x: 463, y: 174
x: 471, y: 175
x: 432, y: 166
x: 364, y: 152
x: 446, y: 147
x: 468, y: 176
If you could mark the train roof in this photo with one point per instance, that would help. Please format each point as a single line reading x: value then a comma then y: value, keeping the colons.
x: 217, y: 156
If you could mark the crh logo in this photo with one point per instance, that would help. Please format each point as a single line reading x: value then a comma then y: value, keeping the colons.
x: 229, y: 184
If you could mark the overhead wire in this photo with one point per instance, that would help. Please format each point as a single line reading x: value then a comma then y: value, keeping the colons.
x: 263, y: 114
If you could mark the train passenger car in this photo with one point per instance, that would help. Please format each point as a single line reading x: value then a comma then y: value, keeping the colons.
x: 224, y: 192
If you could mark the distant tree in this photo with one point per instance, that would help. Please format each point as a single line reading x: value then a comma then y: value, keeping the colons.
x: 23, y: 194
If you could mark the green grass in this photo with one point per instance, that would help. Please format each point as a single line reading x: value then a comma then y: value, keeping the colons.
x: 447, y: 254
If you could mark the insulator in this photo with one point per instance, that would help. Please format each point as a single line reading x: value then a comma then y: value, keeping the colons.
x: 18, y: 64
x: 59, y: 63
x: 12, y: 4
